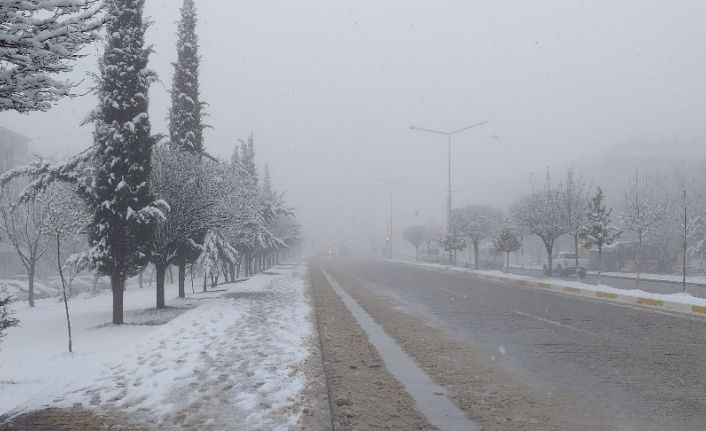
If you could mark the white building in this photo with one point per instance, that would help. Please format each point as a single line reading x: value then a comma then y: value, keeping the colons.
x: 14, y: 151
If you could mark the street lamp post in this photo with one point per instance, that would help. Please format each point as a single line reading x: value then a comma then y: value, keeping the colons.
x: 448, y: 134
x: 388, y: 236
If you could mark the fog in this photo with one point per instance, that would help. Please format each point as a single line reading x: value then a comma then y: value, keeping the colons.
x: 330, y: 90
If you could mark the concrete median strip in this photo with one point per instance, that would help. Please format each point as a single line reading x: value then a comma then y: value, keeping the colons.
x: 681, y: 303
x: 432, y: 400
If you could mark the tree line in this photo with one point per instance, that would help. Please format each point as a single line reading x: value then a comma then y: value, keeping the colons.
x: 663, y: 212
x: 135, y: 197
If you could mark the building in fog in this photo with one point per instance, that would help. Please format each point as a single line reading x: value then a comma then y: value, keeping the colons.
x: 14, y: 151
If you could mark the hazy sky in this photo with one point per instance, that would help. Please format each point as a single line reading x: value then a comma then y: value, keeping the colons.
x: 330, y: 89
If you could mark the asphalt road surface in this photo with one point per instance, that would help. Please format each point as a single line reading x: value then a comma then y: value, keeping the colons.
x: 644, y: 369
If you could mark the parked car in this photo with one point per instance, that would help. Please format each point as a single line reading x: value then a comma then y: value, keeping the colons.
x: 566, y: 263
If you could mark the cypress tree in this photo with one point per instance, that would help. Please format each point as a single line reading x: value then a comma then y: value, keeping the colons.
x: 266, y: 183
x: 118, y: 190
x: 185, y: 123
x: 247, y: 159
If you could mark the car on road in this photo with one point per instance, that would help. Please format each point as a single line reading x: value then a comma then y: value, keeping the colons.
x: 566, y: 263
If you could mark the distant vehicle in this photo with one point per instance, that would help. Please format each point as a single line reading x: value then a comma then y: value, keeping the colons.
x: 344, y: 252
x: 565, y: 264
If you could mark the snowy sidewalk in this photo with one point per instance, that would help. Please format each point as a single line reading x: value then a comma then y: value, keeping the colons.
x: 234, y: 361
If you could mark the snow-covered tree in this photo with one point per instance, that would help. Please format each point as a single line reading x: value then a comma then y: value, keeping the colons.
x: 452, y: 243
x: 247, y: 158
x: 22, y: 225
x: 67, y: 216
x: 433, y: 241
x: 476, y: 223
x: 118, y: 191
x: 286, y: 229
x: 280, y: 219
x: 643, y: 212
x: 38, y: 40
x: 573, y: 195
x: 65, y: 228
x: 185, y: 116
x: 254, y: 212
x: 189, y: 186
x: 541, y: 213
x: 507, y: 242
x: 216, y: 255
x: 597, y: 231
x: 688, y: 212
x: 186, y: 119
x: 416, y: 235
x: 6, y: 315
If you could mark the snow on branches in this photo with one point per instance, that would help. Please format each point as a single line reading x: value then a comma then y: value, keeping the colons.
x: 190, y: 186
x: 185, y: 122
x: 39, y: 39
x: 542, y: 213
x: 475, y: 223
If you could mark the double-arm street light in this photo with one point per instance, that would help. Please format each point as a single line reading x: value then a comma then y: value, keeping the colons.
x: 388, y: 236
x: 448, y: 134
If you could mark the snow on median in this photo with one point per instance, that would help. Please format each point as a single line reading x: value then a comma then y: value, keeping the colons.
x: 677, y: 298
x: 234, y: 359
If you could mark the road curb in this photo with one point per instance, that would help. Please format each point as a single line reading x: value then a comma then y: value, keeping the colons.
x: 327, y: 417
x: 608, y: 296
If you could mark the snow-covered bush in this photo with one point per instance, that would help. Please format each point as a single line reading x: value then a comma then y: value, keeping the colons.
x: 6, y: 319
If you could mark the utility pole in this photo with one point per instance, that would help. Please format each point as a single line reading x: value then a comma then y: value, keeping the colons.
x: 389, y: 235
x: 683, y: 280
x: 449, y: 199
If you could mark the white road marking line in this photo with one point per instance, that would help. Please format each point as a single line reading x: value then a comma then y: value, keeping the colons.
x: 555, y: 323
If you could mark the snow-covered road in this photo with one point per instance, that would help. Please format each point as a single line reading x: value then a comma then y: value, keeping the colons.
x: 233, y: 359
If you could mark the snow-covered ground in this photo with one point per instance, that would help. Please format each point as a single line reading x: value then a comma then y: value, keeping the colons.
x: 234, y: 358
x: 690, y: 279
x: 672, y: 278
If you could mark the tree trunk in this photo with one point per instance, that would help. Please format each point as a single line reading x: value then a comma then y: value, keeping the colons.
x: 550, y: 257
x: 161, y: 271
x: 600, y: 263
x: 507, y: 262
x: 226, y: 273
x: 171, y: 275
x: 139, y: 277
x: 182, y: 279
x: 117, y: 285
x: 63, y: 290
x: 205, y: 277
x: 30, y: 292
x: 637, y: 259
x: 476, y: 257
x: 94, y: 289
x: 576, y: 254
